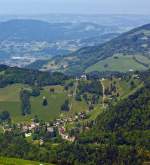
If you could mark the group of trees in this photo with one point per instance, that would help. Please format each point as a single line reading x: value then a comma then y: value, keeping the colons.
x: 94, y: 87
x: 90, y: 91
x: 4, y: 116
x: 25, y: 95
x: 35, y: 91
x: 16, y: 146
x: 45, y: 102
x: 25, y: 102
x: 65, y: 106
x: 32, y: 77
x: 78, y: 153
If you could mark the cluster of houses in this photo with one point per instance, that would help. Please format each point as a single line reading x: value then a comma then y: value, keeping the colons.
x: 77, y: 117
x: 29, y: 128
x: 60, y: 123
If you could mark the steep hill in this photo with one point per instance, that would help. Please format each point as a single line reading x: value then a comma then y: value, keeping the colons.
x: 133, y: 43
x: 131, y: 113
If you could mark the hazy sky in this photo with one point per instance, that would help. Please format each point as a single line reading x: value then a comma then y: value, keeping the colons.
x: 74, y: 6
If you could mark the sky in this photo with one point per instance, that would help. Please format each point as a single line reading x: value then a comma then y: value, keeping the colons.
x: 75, y: 6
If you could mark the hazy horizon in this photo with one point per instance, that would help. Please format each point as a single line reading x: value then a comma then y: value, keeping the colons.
x: 34, y: 7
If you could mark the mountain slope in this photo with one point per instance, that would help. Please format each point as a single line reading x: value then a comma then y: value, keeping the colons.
x: 134, y: 42
x: 131, y: 113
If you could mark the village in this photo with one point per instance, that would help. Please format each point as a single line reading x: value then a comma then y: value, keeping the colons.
x: 49, y: 129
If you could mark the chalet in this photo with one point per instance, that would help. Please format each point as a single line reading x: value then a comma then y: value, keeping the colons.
x: 28, y: 134
x: 41, y: 141
x: 25, y: 128
x: 83, y: 77
x: 135, y: 76
x: 131, y: 70
x: 50, y: 129
x: 7, y: 129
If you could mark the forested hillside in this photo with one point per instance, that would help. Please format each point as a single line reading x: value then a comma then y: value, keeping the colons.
x: 120, y: 134
x: 132, y: 44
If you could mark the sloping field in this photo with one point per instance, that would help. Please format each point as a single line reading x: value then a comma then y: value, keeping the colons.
x: 119, y: 63
x: 10, y: 101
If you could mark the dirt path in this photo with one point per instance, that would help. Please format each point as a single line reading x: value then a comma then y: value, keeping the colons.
x: 74, y: 92
x: 103, y: 99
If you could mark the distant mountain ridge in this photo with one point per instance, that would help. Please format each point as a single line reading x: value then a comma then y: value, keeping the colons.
x: 133, y: 43
x: 30, y: 30
x: 30, y: 40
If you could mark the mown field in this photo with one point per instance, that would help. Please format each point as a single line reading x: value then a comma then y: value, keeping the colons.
x: 13, y: 161
x: 10, y: 101
x: 120, y: 64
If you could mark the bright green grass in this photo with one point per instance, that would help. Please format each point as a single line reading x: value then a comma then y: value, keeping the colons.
x: 122, y: 64
x: 133, y: 91
x: 52, y: 110
x: 13, y: 161
x: 10, y: 93
x: 9, y: 101
x: 123, y: 87
x: 78, y: 106
x: 96, y: 112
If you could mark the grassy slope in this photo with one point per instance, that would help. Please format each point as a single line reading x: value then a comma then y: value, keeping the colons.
x: 122, y: 64
x: 123, y: 87
x: 13, y: 161
x: 97, y: 111
x: 9, y: 101
x: 54, y: 102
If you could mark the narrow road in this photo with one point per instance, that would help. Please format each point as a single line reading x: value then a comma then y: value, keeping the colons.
x: 75, y: 88
x: 74, y: 92
x: 103, y: 99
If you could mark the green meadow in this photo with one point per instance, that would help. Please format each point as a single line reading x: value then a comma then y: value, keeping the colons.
x: 13, y: 161
x: 10, y: 101
x: 120, y: 64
